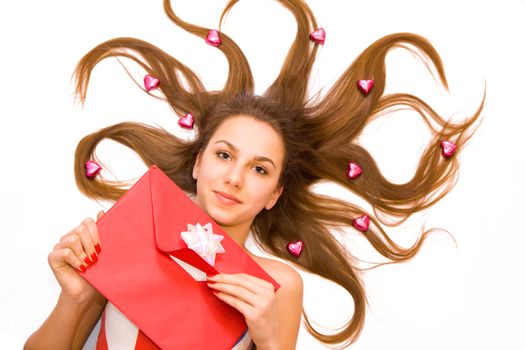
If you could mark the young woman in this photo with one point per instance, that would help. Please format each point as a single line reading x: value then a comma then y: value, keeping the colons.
x: 251, y: 167
x: 238, y: 173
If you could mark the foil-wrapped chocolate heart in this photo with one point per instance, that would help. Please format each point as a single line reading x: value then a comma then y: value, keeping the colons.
x: 361, y: 223
x: 150, y: 82
x: 295, y: 248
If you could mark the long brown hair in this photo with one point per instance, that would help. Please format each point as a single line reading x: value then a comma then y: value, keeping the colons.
x: 320, y: 136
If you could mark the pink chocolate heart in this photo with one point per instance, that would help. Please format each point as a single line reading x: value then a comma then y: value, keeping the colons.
x: 449, y: 148
x: 354, y: 170
x: 150, y: 82
x: 361, y: 223
x: 295, y: 248
x: 213, y: 38
x: 187, y: 121
x: 92, y: 168
x: 365, y: 85
x: 318, y: 36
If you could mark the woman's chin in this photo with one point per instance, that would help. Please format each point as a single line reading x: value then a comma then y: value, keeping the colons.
x: 221, y: 219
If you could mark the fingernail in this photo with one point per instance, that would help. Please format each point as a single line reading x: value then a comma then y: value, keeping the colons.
x: 82, y: 268
x: 94, y: 257
x: 87, y: 261
x: 97, y: 248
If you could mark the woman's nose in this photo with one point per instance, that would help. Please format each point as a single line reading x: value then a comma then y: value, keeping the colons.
x: 235, y: 176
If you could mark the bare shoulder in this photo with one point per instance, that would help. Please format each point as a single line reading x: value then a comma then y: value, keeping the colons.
x: 285, y: 275
x: 289, y: 299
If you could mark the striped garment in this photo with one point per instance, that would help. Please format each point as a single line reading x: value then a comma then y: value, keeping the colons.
x: 119, y: 333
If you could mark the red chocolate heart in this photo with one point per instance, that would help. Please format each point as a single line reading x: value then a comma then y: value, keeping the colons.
x: 150, y: 82
x: 92, y: 168
x: 295, y: 248
x: 187, y: 121
x: 448, y: 148
x: 213, y: 38
x: 361, y: 223
x: 318, y: 36
x: 354, y: 170
x: 365, y: 85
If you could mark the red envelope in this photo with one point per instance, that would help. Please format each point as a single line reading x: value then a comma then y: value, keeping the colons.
x: 136, y: 273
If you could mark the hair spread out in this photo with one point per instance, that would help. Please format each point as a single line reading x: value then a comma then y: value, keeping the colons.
x: 320, y: 137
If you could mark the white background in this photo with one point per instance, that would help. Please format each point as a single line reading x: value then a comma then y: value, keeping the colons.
x: 468, y: 296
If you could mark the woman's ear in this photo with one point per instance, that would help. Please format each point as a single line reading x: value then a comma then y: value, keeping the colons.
x: 273, y: 199
x: 195, y: 172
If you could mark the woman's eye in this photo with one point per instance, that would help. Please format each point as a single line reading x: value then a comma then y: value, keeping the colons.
x: 260, y: 170
x: 223, y: 155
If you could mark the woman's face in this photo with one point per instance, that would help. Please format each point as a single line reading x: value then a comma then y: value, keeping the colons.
x: 238, y: 172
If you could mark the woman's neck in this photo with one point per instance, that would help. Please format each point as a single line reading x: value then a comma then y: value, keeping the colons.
x: 238, y: 233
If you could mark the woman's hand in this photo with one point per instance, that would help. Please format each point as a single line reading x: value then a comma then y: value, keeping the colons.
x: 255, y: 299
x: 74, y: 253
x: 79, y: 305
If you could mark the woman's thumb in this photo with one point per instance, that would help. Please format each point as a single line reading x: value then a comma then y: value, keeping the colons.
x: 100, y: 214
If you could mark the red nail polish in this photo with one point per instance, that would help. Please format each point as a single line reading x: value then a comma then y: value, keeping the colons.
x: 83, y: 268
x: 87, y: 261
x: 94, y: 257
x: 97, y: 248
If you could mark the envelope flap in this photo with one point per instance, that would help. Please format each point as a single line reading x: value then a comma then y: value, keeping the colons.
x: 172, y: 211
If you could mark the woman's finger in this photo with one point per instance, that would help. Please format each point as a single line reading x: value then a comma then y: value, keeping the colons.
x: 88, y: 235
x: 100, y: 214
x: 58, y: 257
x: 236, y: 291
x: 80, y: 242
x: 252, y: 283
x: 73, y: 243
x: 238, y: 304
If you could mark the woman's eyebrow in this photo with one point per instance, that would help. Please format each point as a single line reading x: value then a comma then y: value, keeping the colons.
x: 229, y: 145
x: 257, y: 158
x: 264, y: 159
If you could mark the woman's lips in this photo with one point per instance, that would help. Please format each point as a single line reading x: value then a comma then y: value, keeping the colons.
x: 226, y: 198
